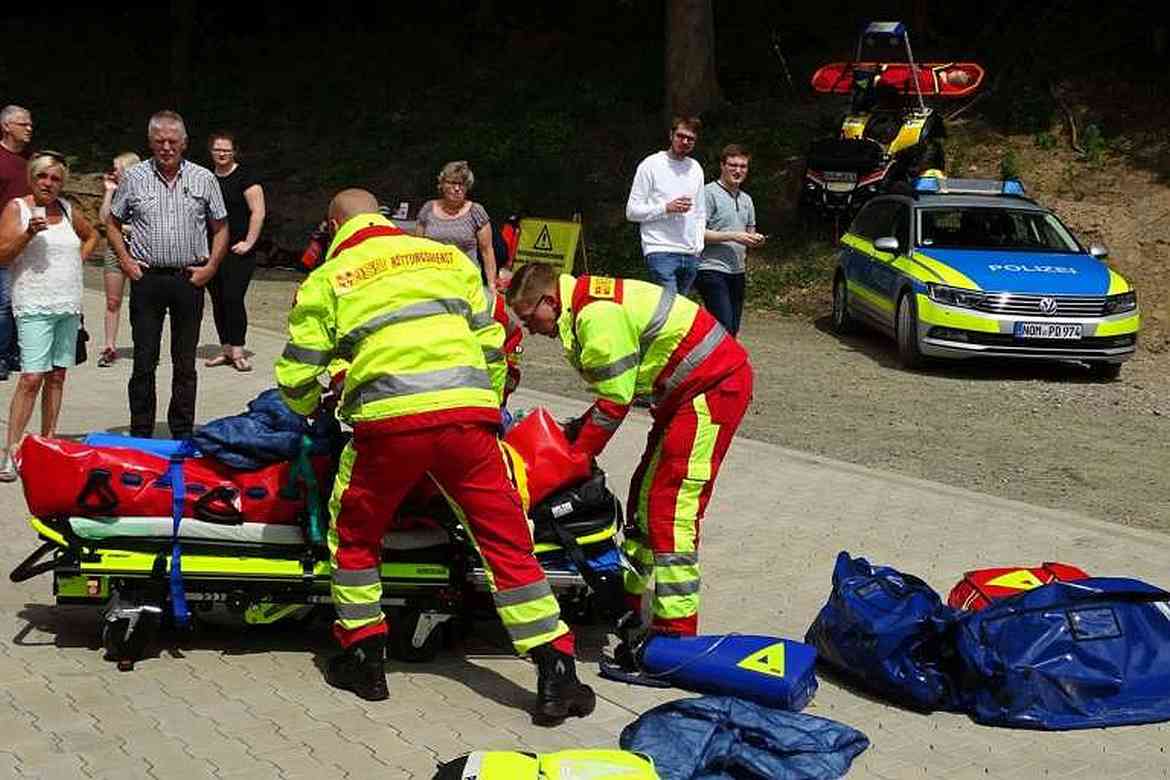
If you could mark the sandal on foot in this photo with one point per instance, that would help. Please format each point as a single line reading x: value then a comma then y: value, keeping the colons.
x: 218, y: 360
x: 241, y: 364
x: 108, y: 357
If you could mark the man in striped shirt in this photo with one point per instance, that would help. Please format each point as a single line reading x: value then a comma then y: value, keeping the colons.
x: 171, y: 205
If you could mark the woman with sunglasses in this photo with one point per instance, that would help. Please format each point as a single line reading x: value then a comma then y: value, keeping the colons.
x: 44, y: 241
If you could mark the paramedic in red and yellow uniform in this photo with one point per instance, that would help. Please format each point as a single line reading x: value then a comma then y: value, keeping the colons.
x: 422, y: 392
x: 635, y: 339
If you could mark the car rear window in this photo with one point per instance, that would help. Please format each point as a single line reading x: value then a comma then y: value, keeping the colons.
x: 984, y: 227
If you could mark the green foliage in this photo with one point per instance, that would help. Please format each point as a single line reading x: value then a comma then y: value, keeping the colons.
x: 1094, y: 144
x: 1045, y: 141
x: 785, y: 281
x: 1009, y: 167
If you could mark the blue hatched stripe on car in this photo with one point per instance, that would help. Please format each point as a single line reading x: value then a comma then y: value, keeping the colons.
x: 1038, y: 273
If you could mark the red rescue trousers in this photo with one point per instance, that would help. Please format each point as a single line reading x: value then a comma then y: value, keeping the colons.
x: 378, y: 468
x: 669, y: 494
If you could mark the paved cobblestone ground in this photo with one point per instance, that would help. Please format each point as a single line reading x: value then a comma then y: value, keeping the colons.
x: 227, y: 703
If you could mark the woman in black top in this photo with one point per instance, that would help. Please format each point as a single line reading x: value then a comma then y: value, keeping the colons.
x: 244, y: 198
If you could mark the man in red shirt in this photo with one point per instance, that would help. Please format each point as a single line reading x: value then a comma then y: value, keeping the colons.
x: 16, y: 131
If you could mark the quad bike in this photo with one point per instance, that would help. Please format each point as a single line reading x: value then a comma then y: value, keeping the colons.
x: 889, y: 135
x: 432, y: 578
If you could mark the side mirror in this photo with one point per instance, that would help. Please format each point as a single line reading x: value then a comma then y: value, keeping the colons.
x: 1098, y: 251
x: 886, y: 244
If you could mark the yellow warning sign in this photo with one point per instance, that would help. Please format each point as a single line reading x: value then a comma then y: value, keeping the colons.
x: 768, y: 661
x: 1020, y: 579
x: 552, y: 241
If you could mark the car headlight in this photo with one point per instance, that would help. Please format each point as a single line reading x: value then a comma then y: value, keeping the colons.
x: 1126, y: 301
x: 954, y: 296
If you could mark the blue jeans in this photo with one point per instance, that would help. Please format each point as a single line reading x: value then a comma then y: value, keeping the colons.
x: 723, y: 296
x: 9, y: 354
x: 673, y: 270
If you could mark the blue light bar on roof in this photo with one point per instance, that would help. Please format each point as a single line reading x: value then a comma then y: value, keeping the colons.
x: 928, y: 184
x: 897, y: 29
x: 1013, y: 187
x: 949, y: 186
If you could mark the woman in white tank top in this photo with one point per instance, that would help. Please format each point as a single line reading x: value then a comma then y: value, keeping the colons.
x: 43, y: 241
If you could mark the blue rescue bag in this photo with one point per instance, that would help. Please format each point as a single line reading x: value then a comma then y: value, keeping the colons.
x: 1070, y: 655
x: 725, y: 738
x: 888, y: 632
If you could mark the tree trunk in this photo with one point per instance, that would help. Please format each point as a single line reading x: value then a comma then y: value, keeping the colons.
x: 691, y: 84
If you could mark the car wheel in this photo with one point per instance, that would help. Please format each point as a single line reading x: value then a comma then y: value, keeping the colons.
x: 842, y: 320
x: 909, y: 355
x: 1105, y: 372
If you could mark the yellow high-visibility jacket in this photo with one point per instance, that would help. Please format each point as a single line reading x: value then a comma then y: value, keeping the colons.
x: 409, y: 317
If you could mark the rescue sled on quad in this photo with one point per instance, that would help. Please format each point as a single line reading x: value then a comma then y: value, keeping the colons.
x: 890, y: 134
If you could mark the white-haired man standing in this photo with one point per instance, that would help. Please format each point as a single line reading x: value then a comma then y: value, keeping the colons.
x: 16, y: 129
x: 171, y: 205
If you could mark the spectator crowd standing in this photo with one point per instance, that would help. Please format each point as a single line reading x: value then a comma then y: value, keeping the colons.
x: 178, y: 237
x: 16, y: 131
x: 43, y: 242
x: 666, y: 200
x: 243, y: 196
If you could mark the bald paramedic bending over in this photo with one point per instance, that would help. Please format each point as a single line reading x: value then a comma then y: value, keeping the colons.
x: 411, y: 318
x: 629, y: 338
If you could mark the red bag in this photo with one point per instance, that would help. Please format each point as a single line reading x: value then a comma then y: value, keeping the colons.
x: 67, y: 478
x: 549, y: 459
x: 979, y: 588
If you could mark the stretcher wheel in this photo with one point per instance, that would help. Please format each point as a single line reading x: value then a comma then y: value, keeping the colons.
x: 415, y: 636
x: 125, y: 641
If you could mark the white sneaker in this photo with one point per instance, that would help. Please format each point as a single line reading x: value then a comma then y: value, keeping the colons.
x: 7, y: 468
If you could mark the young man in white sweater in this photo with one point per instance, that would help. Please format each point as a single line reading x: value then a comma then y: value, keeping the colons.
x: 666, y: 199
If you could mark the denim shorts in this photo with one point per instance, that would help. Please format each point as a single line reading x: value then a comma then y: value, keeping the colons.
x: 47, y: 341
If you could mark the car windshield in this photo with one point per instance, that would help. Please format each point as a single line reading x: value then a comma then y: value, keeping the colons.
x: 984, y: 227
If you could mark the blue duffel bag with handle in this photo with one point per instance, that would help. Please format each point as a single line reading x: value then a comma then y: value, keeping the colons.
x: 1069, y: 655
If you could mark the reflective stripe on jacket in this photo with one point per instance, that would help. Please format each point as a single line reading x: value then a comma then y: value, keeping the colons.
x: 630, y: 338
x: 409, y: 316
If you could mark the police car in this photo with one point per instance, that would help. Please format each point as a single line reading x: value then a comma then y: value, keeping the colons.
x: 962, y: 268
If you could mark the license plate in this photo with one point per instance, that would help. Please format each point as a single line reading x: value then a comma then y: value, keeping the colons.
x: 849, y: 176
x: 1048, y: 330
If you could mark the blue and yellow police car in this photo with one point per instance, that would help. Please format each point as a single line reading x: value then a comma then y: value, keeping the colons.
x: 961, y: 268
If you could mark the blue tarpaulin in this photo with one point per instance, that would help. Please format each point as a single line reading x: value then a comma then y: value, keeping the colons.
x: 269, y: 432
x: 725, y: 738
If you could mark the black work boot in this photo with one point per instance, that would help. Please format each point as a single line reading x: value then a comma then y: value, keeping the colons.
x: 361, y: 669
x: 559, y: 693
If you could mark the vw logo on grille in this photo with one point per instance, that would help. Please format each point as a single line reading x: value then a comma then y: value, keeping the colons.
x: 1048, y: 305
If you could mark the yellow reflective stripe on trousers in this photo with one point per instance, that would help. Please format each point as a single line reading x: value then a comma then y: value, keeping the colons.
x: 357, y: 595
x: 686, y: 506
x: 533, y: 623
x: 641, y: 559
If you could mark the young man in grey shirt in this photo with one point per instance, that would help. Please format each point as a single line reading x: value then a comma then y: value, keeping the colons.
x: 731, y: 229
